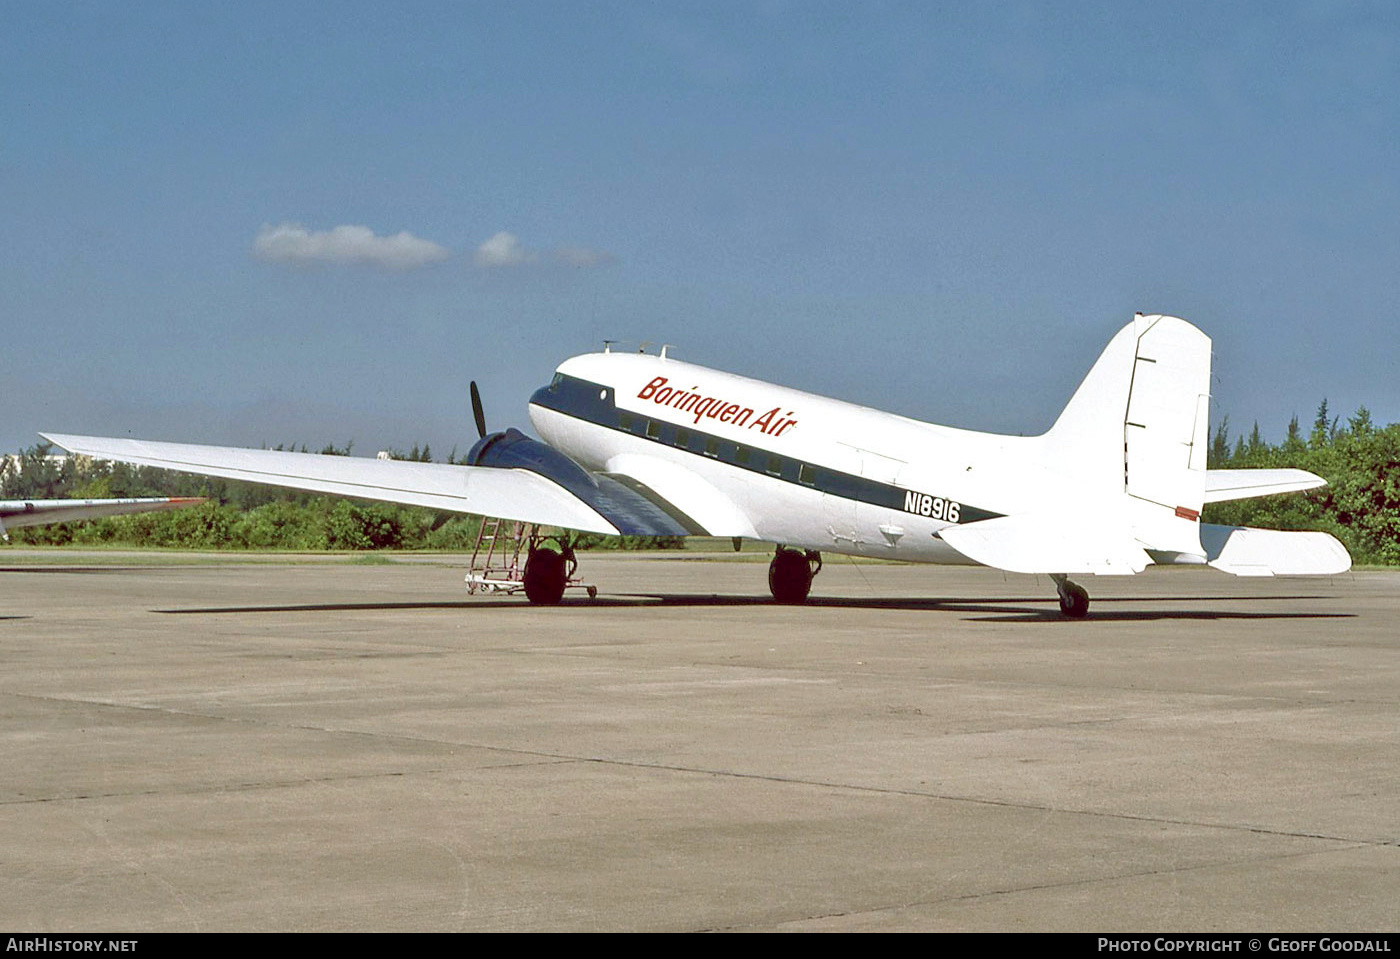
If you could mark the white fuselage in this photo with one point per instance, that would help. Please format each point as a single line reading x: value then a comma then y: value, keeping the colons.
x: 742, y: 457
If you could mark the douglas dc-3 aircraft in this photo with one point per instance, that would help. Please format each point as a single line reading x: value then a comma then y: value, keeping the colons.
x: 645, y: 444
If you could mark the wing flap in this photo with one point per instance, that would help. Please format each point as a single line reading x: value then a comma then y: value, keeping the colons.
x: 513, y: 494
x: 1041, y: 543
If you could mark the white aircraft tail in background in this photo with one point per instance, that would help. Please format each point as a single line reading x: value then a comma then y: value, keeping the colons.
x: 648, y: 445
x: 37, y: 512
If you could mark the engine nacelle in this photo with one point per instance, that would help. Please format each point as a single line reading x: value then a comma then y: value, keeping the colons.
x: 514, y: 450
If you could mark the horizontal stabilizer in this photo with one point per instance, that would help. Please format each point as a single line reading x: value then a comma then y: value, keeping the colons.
x: 1041, y: 543
x: 1245, y: 551
x: 1222, y: 485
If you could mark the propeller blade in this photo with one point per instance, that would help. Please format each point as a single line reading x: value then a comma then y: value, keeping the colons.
x: 478, y: 412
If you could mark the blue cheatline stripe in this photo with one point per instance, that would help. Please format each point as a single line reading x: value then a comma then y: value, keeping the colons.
x: 595, y: 403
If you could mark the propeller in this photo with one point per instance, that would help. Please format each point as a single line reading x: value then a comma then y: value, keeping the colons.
x: 478, y: 412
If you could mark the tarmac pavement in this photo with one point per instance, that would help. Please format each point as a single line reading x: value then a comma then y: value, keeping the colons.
x: 337, y: 746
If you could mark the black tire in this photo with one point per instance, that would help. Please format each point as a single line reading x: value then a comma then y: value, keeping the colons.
x: 789, y: 577
x: 1074, y: 601
x: 545, y: 577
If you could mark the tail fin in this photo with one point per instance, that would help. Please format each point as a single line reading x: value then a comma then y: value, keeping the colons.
x: 1127, y: 458
x: 1137, y: 427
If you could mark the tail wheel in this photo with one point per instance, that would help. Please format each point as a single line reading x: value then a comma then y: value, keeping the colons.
x: 545, y: 576
x: 790, y: 576
x: 1074, y: 600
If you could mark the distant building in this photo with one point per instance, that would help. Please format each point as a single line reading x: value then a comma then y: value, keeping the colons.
x: 10, y: 462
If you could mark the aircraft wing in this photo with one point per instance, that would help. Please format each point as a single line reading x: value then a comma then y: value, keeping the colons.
x: 1047, y: 543
x: 1222, y: 485
x: 596, y: 505
x: 36, y: 512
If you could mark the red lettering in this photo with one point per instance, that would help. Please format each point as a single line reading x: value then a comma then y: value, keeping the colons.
x: 710, y: 407
x: 765, y: 421
x: 703, y: 407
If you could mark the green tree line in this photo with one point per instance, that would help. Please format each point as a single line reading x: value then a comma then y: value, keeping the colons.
x: 241, y: 515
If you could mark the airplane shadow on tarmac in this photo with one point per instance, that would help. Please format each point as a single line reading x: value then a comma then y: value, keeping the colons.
x: 999, y: 609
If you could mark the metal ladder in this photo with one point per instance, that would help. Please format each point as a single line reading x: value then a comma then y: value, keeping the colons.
x: 497, y: 565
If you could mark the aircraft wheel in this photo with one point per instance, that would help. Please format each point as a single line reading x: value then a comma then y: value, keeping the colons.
x: 1074, y: 600
x: 545, y: 577
x: 790, y: 577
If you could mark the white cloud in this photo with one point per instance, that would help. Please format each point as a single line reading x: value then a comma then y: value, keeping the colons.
x: 294, y: 243
x: 505, y: 250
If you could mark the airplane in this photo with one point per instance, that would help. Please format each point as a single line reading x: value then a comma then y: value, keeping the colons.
x: 37, y: 512
x: 645, y: 444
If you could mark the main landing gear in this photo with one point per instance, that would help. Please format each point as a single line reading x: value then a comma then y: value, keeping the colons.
x: 547, y: 573
x: 790, y: 574
x: 1074, y: 599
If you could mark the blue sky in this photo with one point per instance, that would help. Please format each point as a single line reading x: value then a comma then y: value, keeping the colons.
x: 268, y: 223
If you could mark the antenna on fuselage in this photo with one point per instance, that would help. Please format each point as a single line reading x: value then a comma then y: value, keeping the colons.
x: 608, y: 345
x: 664, y: 348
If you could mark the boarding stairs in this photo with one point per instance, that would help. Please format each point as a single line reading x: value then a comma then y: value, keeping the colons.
x: 499, y: 555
